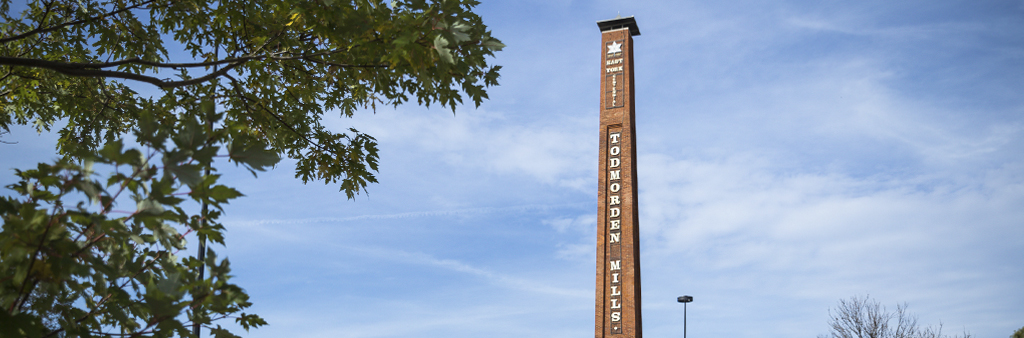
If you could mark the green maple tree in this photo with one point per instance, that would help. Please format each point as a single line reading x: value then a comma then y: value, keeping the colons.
x: 193, y: 80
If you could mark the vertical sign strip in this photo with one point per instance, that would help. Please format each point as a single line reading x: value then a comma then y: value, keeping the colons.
x: 614, y: 81
x: 614, y: 227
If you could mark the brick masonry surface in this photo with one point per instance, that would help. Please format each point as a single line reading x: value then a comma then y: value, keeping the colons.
x: 618, y: 250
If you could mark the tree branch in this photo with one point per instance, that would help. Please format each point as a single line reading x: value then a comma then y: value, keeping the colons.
x: 53, y: 28
x: 49, y: 7
x: 280, y: 120
x: 165, y: 64
x: 18, y: 301
x: 84, y: 70
x: 95, y: 69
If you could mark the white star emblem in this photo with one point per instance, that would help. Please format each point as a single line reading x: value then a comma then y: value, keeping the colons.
x: 615, y: 47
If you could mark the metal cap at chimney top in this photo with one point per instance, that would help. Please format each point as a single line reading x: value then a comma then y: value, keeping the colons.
x: 617, y: 23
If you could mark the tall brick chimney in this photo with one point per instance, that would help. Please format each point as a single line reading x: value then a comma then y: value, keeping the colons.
x: 618, y: 235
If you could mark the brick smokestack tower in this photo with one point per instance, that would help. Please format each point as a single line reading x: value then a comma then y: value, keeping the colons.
x: 618, y: 236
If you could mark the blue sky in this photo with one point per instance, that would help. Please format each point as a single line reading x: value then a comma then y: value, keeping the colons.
x: 791, y: 153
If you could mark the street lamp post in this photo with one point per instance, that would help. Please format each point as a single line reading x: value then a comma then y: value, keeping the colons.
x: 684, y: 300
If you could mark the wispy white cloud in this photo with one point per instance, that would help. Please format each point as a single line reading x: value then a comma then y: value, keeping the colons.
x: 414, y: 319
x: 764, y: 231
x: 844, y: 23
x: 582, y: 247
x: 451, y: 212
x: 554, y: 152
x: 531, y: 285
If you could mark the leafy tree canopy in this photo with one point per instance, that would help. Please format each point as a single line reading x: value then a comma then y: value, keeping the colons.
x: 96, y: 269
x: 273, y: 67
x: 192, y: 80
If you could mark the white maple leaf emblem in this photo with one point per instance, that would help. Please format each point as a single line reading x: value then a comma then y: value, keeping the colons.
x: 615, y: 47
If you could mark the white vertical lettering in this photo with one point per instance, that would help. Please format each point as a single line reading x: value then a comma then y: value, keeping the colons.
x: 615, y: 237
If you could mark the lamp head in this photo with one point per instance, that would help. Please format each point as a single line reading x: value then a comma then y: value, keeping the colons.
x: 685, y: 299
